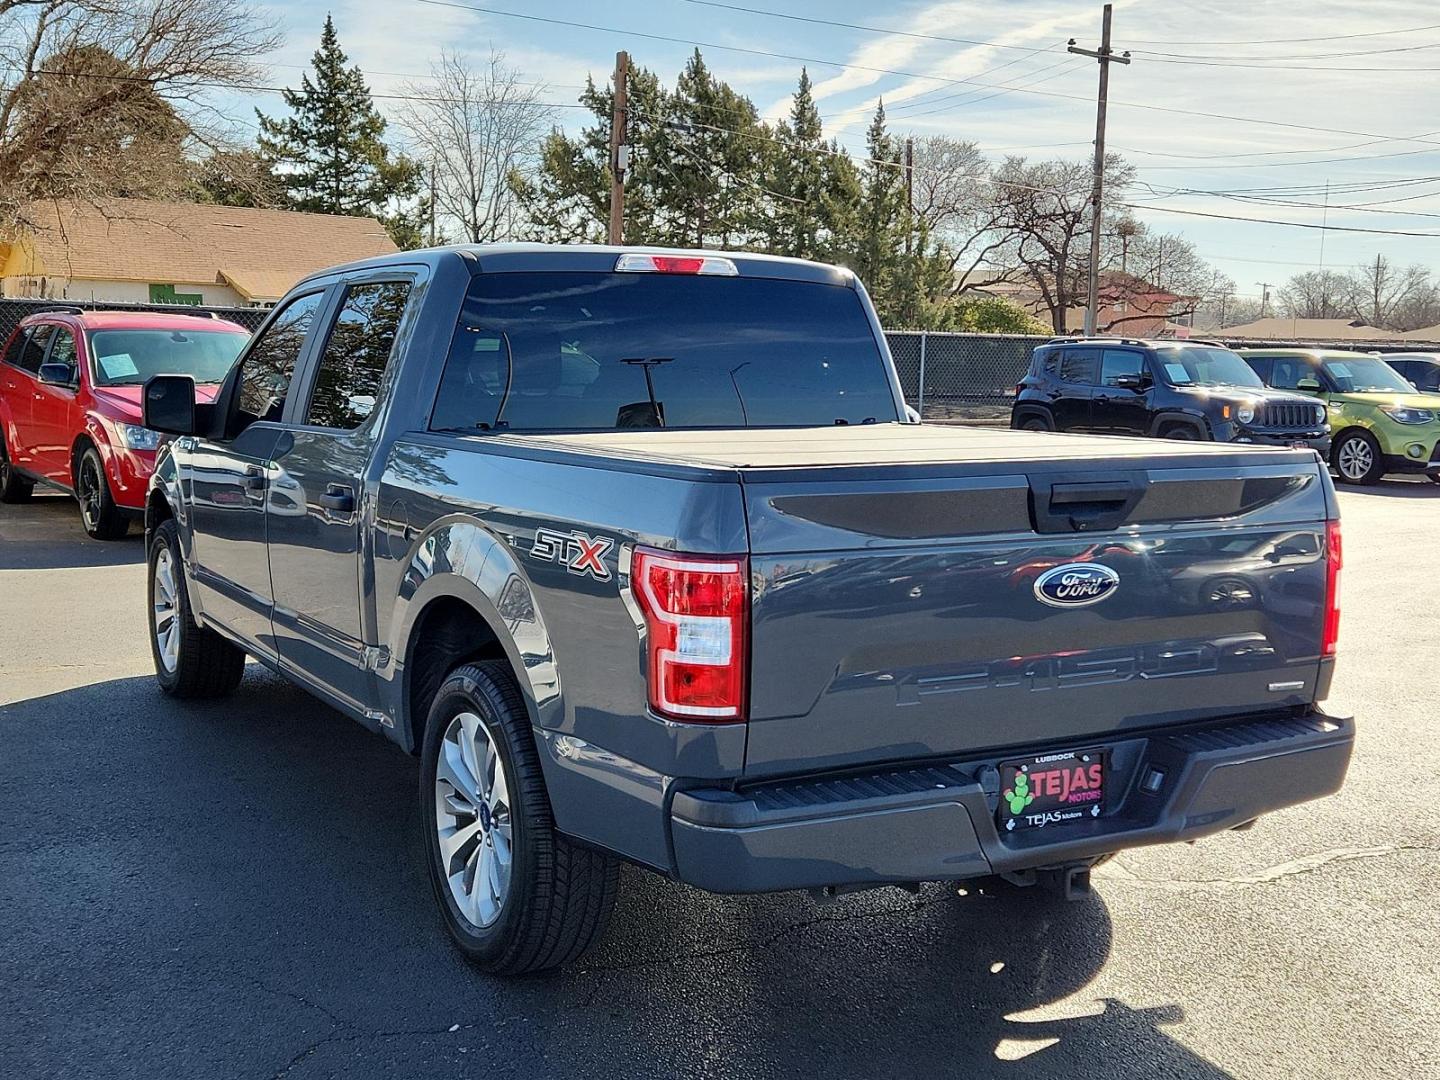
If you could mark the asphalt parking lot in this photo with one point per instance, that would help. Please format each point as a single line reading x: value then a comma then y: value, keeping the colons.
x: 233, y: 891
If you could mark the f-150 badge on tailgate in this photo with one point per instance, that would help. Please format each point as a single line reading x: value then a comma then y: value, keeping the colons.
x: 1076, y: 584
x: 578, y: 552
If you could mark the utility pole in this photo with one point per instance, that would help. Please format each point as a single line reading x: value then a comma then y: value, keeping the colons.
x: 1265, y: 287
x: 619, y: 151
x: 909, y: 191
x: 432, y: 202
x: 1105, y: 59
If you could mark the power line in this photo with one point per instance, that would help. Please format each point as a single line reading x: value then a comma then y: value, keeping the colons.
x: 1274, y: 221
x: 1298, y: 56
x: 259, y: 88
x: 1293, y: 40
x: 867, y: 29
x: 906, y: 74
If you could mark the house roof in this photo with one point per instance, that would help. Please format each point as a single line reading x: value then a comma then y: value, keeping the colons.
x: 1308, y: 330
x: 1425, y: 333
x: 259, y: 253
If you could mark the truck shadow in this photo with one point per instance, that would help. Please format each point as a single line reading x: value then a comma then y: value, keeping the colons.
x: 1394, y: 488
x: 253, y: 893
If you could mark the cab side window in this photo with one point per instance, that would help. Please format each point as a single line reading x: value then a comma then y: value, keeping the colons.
x: 347, y: 382
x: 16, y: 347
x: 32, y: 354
x: 1118, y: 364
x: 1079, y: 366
x: 269, y: 364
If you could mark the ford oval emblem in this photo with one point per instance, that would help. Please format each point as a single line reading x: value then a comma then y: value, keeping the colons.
x: 1076, y: 584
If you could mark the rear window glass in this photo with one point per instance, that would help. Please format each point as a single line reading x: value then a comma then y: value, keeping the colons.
x: 1080, y: 366
x: 130, y: 357
x: 600, y: 351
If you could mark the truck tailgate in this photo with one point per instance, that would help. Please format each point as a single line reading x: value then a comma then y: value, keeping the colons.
x: 896, y: 612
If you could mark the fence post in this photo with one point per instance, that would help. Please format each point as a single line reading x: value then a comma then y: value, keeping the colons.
x: 920, y: 404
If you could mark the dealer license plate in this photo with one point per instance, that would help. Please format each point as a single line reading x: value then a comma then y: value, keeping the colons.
x: 1052, y: 789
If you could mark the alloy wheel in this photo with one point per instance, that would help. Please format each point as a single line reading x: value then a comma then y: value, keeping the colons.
x: 1355, y: 459
x: 89, y: 492
x: 473, y: 819
x: 165, y: 601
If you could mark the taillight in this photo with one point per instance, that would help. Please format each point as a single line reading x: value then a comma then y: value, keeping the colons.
x: 1333, y: 562
x: 695, y: 608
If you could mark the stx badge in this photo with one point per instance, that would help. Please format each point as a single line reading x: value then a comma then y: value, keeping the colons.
x: 578, y: 552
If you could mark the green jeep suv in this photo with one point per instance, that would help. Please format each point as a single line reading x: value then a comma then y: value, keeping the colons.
x: 1379, y: 422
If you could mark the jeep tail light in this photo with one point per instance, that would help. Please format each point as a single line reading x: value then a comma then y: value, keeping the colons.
x: 1333, y: 563
x: 695, y: 608
x: 635, y: 262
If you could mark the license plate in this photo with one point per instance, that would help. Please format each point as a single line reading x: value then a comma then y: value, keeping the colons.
x: 1052, y: 789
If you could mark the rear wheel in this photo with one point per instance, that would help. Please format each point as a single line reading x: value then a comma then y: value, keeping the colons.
x: 102, y: 518
x: 1034, y: 423
x: 514, y: 894
x: 14, y: 488
x: 1357, y: 458
x: 191, y: 661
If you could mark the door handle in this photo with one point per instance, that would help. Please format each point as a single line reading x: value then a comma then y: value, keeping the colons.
x: 254, y: 478
x: 338, y: 498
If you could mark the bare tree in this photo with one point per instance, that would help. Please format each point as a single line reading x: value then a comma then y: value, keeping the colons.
x: 1043, y: 208
x: 1318, y: 294
x: 477, y: 130
x: 103, y: 98
x: 1155, y: 264
x: 1381, y: 289
x: 953, y: 198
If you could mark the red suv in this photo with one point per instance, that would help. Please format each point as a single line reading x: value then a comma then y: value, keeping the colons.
x: 70, y: 385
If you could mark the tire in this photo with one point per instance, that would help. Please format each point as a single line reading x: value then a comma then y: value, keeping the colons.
x: 1357, y: 458
x: 1434, y: 478
x: 14, y: 488
x: 102, y: 519
x: 552, y: 900
x: 191, y: 661
x: 1183, y: 432
x: 1035, y: 423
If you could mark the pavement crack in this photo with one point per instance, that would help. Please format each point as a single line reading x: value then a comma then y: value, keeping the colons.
x: 360, y: 1036
x: 1307, y: 864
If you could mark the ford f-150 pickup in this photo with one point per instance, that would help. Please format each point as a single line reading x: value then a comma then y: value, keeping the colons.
x: 640, y: 553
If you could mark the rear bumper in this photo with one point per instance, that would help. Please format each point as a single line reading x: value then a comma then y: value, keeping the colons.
x: 938, y: 822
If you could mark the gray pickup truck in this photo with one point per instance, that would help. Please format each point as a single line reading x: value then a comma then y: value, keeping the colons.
x: 640, y: 554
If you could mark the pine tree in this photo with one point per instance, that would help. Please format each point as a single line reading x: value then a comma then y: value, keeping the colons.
x: 801, y: 178
x: 329, y: 153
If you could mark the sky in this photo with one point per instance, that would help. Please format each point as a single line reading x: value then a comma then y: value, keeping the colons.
x: 1223, y: 106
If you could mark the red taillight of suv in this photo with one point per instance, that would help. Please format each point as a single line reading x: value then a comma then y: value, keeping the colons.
x: 1333, y: 562
x: 696, y: 608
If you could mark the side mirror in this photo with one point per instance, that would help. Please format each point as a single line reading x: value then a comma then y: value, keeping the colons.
x: 59, y: 374
x: 1309, y: 385
x: 168, y: 404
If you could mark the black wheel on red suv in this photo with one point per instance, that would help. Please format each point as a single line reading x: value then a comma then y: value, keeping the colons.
x: 14, y: 488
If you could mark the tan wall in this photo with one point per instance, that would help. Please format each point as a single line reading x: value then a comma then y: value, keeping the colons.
x: 117, y: 291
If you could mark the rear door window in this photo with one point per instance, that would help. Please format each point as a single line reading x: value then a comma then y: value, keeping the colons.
x: 32, y: 354
x: 601, y: 351
x: 1080, y: 366
x: 1118, y: 363
x: 347, y: 381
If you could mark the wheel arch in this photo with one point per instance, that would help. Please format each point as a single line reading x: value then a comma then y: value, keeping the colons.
x: 1166, y: 420
x: 463, y: 597
x: 1023, y: 411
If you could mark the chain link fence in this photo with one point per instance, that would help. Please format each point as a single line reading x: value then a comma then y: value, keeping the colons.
x: 950, y: 376
x: 13, y: 310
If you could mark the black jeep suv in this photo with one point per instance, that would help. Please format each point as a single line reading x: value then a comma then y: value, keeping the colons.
x: 1167, y: 389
